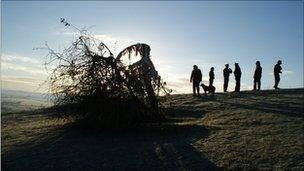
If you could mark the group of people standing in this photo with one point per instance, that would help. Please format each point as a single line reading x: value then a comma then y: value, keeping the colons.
x: 196, y: 77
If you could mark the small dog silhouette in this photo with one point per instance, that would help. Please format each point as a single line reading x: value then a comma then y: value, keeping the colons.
x: 209, y: 89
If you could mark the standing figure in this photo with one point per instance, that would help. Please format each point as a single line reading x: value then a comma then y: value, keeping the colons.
x: 226, y: 72
x: 277, y: 70
x: 257, y: 76
x: 211, y: 76
x: 196, y: 78
x: 237, y: 75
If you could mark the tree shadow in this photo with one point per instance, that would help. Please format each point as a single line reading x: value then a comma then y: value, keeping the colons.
x: 151, y: 147
x: 183, y: 112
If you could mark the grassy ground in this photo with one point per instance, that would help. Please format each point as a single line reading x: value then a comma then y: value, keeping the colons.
x: 247, y: 130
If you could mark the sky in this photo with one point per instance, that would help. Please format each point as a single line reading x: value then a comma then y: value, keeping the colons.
x: 180, y: 34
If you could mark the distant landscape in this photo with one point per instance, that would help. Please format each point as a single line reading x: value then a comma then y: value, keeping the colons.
x: 247, y: 130
x: 15, y: 101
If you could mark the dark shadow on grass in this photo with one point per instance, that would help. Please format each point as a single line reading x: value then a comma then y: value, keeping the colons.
x: 280, y: 106
x: 150, y: 147
x: 183, y: 112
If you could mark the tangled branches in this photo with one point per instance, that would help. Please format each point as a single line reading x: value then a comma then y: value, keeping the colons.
x: 93, y: 84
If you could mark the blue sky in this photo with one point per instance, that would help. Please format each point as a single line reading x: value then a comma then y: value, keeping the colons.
x: 180, y: 34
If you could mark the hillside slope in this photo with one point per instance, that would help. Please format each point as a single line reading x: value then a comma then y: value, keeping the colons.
x: 247, y: 130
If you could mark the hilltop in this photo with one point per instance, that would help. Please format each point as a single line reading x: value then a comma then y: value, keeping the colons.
x: 246, y: 130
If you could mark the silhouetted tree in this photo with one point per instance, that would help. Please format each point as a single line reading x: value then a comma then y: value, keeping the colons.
x: 91, y: 83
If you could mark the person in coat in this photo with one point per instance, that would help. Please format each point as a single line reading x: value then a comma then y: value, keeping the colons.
x: 196, y: 78
x: 226, y: 73
x: 257, y: 76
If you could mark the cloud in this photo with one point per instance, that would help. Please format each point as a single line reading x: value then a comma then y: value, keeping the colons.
x: 115, y: 43
x: 24, y: 84
x: 66, y: 33
x: 23, y: 80
x: 18, y: 58
x: 288, y: 72
x: 17, y: 67
x: 178, y: 83
x: 22, y: 63
x: 105, y: 37
x: 102, y: 37
x: 285, y: 72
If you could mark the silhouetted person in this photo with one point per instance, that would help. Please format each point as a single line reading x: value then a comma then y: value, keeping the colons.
x: 257, y: 76
x: 196, y: 78
x: 211, y: 76
x: 226, y: 72
x: 277, y: 70
x: 237, y: 74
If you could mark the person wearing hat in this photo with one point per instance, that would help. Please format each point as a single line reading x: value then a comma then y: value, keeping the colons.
x: 277, y: 70
x: 211, y: 76
x: 226, y: 72
x: 237, y: 74
x: 196, y: 78
x: 257, y: 76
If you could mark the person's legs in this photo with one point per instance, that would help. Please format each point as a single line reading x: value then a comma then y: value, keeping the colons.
x: 198, y: 88
x: 210, y: 82
x: 254, y: 84
x: 225, y: 84
x: 193, y: 88
x: 237, y: 84
x: 277, y: 80
x: 259, y: 84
